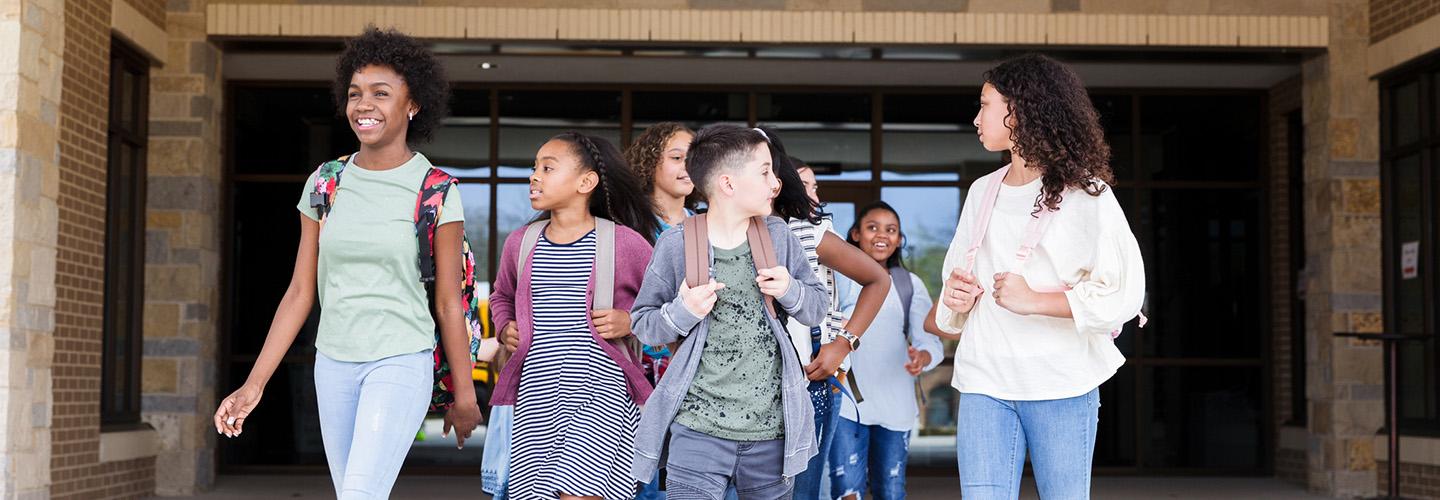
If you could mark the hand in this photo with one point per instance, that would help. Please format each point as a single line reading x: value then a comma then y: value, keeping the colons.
x: 611, y: 323
x: 1013, y: 293
x: 918, y: 361
x: 230, y: 416
x: 827, y: 360
x: 510, y: 336
x: 701, y: 299
x: 961, y: 292
x: 774, y: 281
x: 463, y: 417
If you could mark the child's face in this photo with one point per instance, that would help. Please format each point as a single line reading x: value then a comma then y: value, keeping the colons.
x: 378, y: 105
x: 812, y: 188
x: 753, y: 186
x: 558, y: 179
x: 878, y: 234
x: 671, y: 177
x: 993, y: 122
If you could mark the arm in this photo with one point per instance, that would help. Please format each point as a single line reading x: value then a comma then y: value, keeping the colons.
x: 933, y: 328
x: 805, y: 298
x: 659, y: 315
x: 289, y: 318
x: 920, y: 307
x: 1113, y: 292
x: 874, y: 281
x: 502, y: 296
x: 464, y: 415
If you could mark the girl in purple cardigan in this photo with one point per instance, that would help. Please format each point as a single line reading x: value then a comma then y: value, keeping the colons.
x: 576, y: 393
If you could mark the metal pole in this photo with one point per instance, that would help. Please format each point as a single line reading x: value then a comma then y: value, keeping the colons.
x: 1393, y: 410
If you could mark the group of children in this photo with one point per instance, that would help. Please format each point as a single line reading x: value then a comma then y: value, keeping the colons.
x: 725, y: 347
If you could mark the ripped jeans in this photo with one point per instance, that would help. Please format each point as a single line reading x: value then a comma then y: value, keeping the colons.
x: 868, y: 457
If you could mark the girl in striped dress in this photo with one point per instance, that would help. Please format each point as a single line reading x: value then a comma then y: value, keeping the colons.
x: 575, y: 386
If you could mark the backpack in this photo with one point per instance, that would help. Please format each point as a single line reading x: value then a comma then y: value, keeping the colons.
x: 900, y: 280
x: 697, y: 251
x: 428, y: 203
x: 604, y: 273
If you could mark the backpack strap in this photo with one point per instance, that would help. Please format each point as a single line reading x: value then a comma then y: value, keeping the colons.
x: 428, y: 206
x: 697, y: 251
x: 900, y: 280
x: 604, y: 265
x: 762, y: 251
x: 527, y: 244
x: 327, y: 182
x: 982, y: 220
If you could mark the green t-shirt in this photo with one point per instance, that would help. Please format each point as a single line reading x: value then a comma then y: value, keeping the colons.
x: 372, y: 304
x: 736, y: 392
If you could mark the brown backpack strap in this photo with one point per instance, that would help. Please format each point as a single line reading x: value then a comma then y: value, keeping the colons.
x: 762, y: 251
x: 697, y: 251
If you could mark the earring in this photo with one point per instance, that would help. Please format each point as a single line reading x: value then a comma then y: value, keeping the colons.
x: 412, y: 115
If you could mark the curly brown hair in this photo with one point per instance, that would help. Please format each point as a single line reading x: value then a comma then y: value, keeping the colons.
x: 645, y: 154
x: 413, y: 61
x: 1056, y: 128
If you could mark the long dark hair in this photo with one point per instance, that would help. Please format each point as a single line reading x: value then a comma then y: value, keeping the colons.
x: 791, y: 202
x: 895, y: 259
x: 619, y: 197
x: 1056, y: 127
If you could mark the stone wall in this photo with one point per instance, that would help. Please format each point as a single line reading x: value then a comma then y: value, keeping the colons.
x: 31, y: 46
x: 182, y: 269
x: 1342, y: 218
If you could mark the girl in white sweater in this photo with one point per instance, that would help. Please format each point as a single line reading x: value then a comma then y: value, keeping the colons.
x: 1041, y: 275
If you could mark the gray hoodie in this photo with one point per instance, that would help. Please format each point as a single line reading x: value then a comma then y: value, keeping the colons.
x: 659, y: 317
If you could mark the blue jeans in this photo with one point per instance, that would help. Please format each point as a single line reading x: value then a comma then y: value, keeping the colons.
x: 369, y: 413
x: 868, y: 457
x: 994, y: 435
x: 827, y: 414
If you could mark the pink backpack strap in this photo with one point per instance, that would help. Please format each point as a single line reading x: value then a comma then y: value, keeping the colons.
x: 982, y: 220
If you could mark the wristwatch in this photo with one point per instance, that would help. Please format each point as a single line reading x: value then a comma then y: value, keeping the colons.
x: 850, y: 337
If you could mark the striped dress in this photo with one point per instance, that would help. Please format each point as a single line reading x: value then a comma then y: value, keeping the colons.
x: 574, y: 420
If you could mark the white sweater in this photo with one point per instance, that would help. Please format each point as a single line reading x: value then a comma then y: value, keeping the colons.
x: 879, y: 364
x: 1088, y: 247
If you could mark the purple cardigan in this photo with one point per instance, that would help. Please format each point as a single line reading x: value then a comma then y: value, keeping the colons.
x: 632, y: 255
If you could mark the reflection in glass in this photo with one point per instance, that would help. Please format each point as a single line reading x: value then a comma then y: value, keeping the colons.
x: 927, y: 216
x: 829, y: 132
x: 513, y: 210
x: 694, y: 109
x: 1203, y: 241
x: 929, y: 137
x: 1115, y: 119
x: 1203, y: 417
x: 1407, y: 218
x: 1406, y: 109
x: 529, y: 118
x: 1170, y: 126
x: 477, y: 227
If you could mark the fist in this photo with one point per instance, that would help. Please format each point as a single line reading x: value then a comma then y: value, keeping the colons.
x: 510, y: 336
x: 1014, y: 294
x: 701, y: 299
x: 774, y: 281
x: 611, y: 323
x: 961, y: 292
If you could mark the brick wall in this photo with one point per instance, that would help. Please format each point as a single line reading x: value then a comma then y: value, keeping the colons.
x: 1284, y: 98
x: 154, y: 10
x: 1278, y: 7
x: 1388, y: 17
x: 76, y: 470
x: 1416, y: 481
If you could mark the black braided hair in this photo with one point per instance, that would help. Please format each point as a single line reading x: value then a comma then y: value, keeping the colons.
x: 620, y: 197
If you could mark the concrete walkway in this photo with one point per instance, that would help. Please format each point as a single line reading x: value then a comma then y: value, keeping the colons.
x: 461, y: 487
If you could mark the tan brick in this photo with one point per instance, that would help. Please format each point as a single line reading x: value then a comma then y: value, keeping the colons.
x: 158, y: 375
x: 162, y: 320
x: 1361, y: 196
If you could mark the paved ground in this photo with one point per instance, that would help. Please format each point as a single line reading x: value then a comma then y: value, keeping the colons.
x: 457, y: 487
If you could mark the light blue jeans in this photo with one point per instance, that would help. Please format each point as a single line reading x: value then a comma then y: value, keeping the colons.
x: 369, y: 414
x: 993, y: 436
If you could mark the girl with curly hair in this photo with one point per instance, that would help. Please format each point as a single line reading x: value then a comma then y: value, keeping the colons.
x: 1042, y: 272
x: 374, y: 344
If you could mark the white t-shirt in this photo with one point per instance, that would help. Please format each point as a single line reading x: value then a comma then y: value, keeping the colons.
x: 1087, y: 246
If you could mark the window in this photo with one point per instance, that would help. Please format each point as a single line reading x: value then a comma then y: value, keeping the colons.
x: 1410, y: 156
x: 124, y: 236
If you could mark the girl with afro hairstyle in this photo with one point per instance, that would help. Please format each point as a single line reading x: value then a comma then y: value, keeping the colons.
x: 1042, y: 273
x: 375, y: 341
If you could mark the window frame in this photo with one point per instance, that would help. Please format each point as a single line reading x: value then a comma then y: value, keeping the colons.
x: 124, y: 253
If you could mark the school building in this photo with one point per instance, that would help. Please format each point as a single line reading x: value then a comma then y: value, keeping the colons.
x: 1279, y: 161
